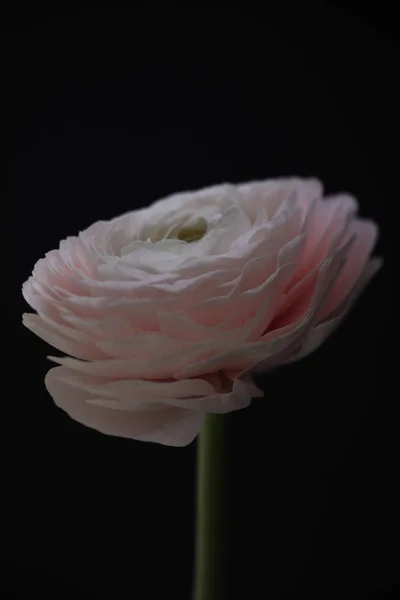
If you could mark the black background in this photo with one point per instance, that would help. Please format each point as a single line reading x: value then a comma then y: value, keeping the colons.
x: 104, y: 118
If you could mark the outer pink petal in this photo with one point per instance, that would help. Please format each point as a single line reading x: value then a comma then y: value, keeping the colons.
x: 136, y: 394
x: 61, y: 338
x: 179, y: 326
x: 366, y: 233
x: 211, y: 393
x: 321, y: 332
x: 325, y: 227
x: 170, y: 426
x: 275, y: 346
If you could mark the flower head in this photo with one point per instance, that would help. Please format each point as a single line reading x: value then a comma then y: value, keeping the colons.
x: 166, y: 311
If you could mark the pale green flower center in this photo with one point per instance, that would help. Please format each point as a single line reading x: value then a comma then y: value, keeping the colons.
x: 189, y: 233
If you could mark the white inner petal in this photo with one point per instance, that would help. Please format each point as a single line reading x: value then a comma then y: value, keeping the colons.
x: 181, y: 227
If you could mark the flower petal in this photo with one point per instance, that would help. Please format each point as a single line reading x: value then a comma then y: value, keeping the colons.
x: 366, y: 233
x: 60, y: 339
x: 170, y: 426
x: 316, y: 336
x: 276, y: 345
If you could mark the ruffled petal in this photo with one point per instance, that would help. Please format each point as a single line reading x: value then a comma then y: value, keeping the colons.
x: 317, y: 335
x: 169, y: 426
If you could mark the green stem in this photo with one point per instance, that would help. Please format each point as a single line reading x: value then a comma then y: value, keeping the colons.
x: 211, y: 510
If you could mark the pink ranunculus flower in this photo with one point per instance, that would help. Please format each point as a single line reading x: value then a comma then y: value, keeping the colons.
x: 167, y: 310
